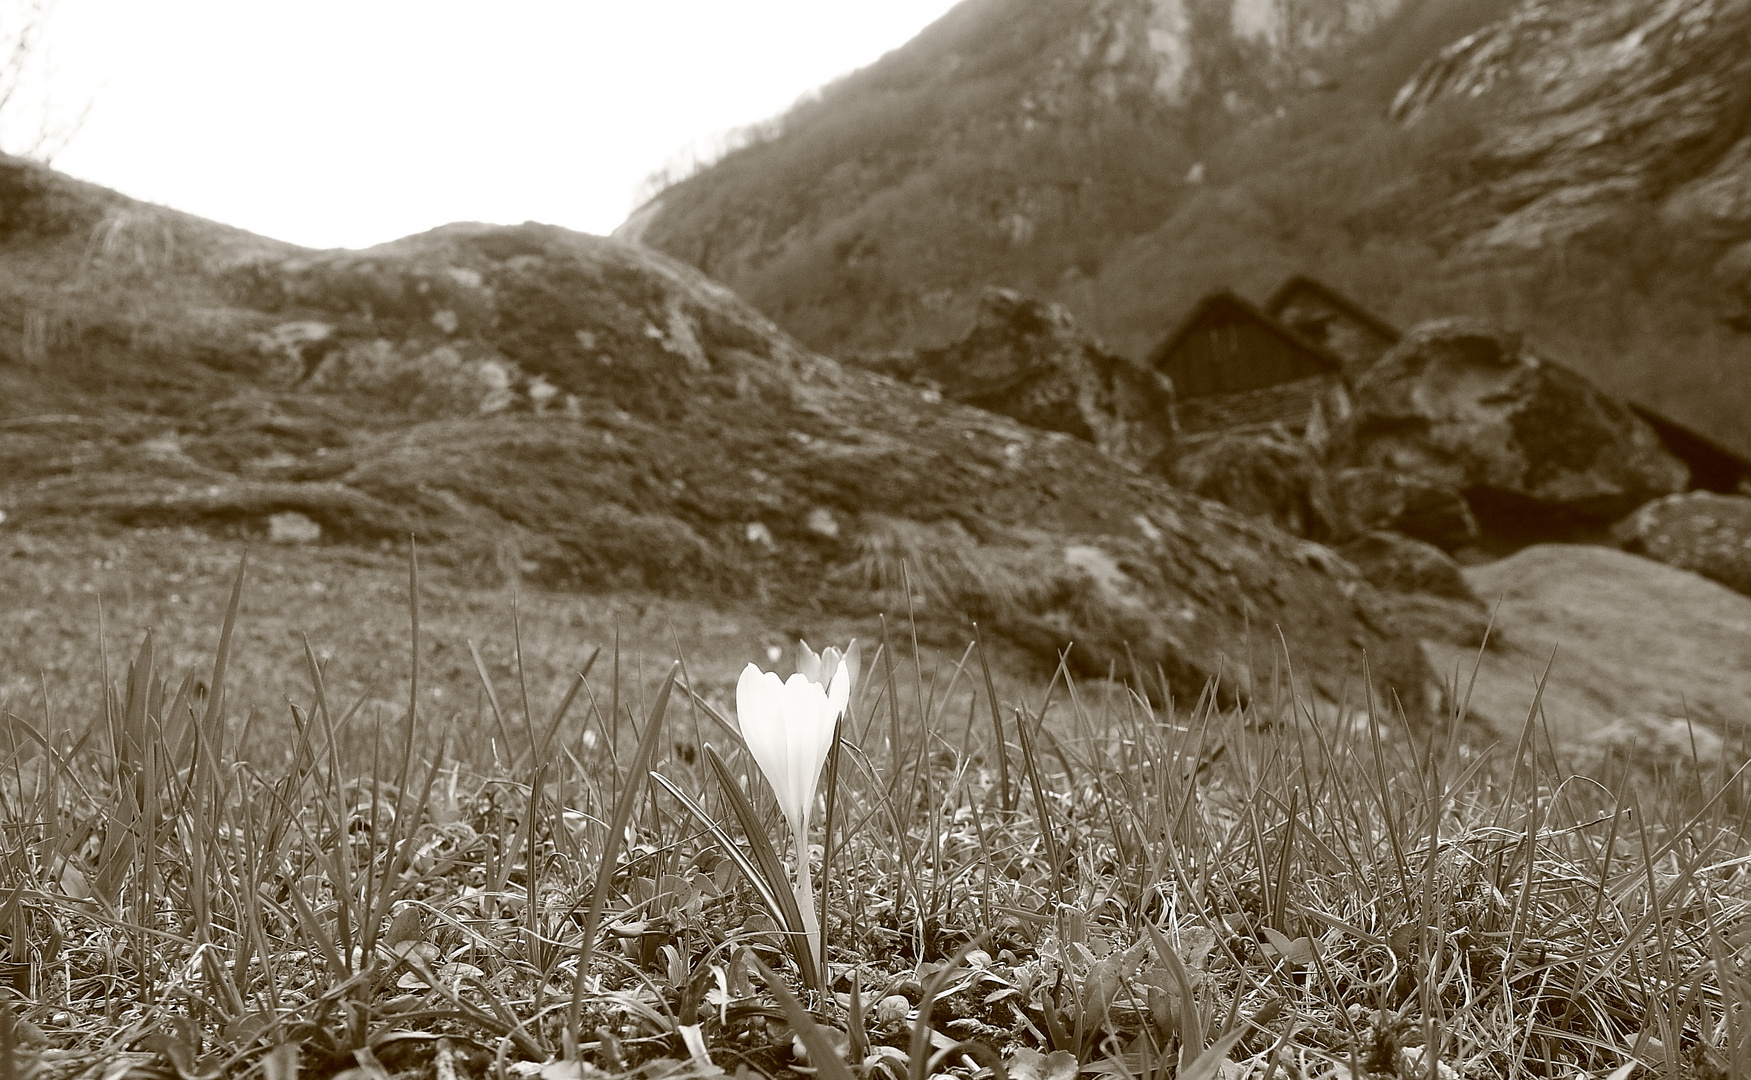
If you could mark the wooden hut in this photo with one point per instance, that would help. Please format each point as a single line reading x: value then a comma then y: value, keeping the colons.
x: 1235, y: 367
x: 1326, y: 317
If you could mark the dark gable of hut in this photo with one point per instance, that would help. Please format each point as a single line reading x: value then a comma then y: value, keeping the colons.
x: 1712, y: 466
x: 1326, y: 317
x: 1228, y: 346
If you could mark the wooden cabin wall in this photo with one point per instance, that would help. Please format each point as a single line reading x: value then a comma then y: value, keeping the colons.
x: 1227, y: 357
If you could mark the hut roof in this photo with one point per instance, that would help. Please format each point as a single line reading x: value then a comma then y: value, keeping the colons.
x: 1225, y: 307
x: 1301, y: 283
x: 1713, y: 467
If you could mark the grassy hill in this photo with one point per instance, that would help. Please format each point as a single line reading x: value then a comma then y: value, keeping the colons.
x: 549, y: 410
x: 876, y: 213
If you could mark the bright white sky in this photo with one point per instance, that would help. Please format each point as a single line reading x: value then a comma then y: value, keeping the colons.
x: 346, y: 123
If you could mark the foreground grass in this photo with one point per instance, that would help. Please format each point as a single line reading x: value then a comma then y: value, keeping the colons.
x: 1085, y: 881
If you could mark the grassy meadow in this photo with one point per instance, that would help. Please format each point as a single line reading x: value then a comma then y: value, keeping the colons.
x: 304, y: 833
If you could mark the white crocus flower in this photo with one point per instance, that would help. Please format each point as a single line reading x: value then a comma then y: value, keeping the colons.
x: 788, y: 727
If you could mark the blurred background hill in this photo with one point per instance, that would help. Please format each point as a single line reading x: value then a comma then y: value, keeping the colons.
x: 1575, y: 169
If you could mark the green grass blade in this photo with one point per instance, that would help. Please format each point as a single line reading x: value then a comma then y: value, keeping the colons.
x: 631, y: 791
x: 766, y: 860
x: 769, y: 891
x: 822, y: 1057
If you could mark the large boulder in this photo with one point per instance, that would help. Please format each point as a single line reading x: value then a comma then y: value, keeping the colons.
x: 1699, y: 531
x: 1270, y: 475
x: 1421, y: 592
x: 1030, y: 361
x: 1399, y: 564
x: 1533, y: 445
x: 1376, y: 499
x: 1620, y: 644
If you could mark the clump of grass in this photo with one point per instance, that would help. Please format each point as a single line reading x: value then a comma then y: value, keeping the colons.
x: 1083, y: 882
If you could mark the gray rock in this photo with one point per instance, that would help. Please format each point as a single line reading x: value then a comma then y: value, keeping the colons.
x: 291, y: 527
x: 1421, y: 592
x: 1269, y: 475
x: 1463, y: 406
x: 1610, y: 637
x: 1699, y: 531
x: 1374, y: 499
x: 1030, y: 361
x: 1400, y: 564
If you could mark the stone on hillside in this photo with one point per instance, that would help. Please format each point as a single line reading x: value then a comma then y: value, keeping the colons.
x: 1269, y: 475
x: 1400, y: 564
x: 1698, y: 531
x: 1460, y: 405
x: 1028, y: 360
x: 1375, y: 499
x: 1657, y: 743
x: 1421, y: 592
x: 1613, y: 638
x: 291, y: 527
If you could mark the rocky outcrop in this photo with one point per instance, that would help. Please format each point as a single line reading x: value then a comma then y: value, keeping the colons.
x: 1621, y: 645
x: 1028, y: 360
x: 1239, y: 54
x: 1372, y: 499
x: 1594, y: 105
x: 1459, y: 405
x: 1698, y: 531
x: 1269, y: 475
x: 606, y: 419
x: 1399, y: 564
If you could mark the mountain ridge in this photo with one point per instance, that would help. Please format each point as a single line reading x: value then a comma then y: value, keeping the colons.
x: 1133, y: 213
x: 1006, y: 143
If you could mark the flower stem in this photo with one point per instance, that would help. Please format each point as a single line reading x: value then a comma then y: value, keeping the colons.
x: 805, y: 901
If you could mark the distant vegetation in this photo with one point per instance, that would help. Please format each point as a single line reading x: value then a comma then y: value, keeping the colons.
x: 875, y: 215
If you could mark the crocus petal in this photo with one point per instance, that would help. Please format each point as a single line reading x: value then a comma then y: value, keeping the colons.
x: 809, y: 726
x: 809, y: 663
x: 760, y: 712
x: 788, y: 725
x: 839, y: 691
x: 852, y: 659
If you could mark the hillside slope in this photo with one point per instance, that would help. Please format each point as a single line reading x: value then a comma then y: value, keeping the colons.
x: 1013, y: 142
x: 1569, y: 168
x: 586, y: 415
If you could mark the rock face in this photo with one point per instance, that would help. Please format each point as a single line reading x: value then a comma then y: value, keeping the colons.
x: 1461, y: 406
x: 1399, y: 564
x: 595, y: 416
x: 1237, y: 52
x: 1372, y: 499
x: 1595, y: 104
x: 1271, y: 475
x: 1028, y: 360
x: 1698, y: 531
x: 1630, y: 646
